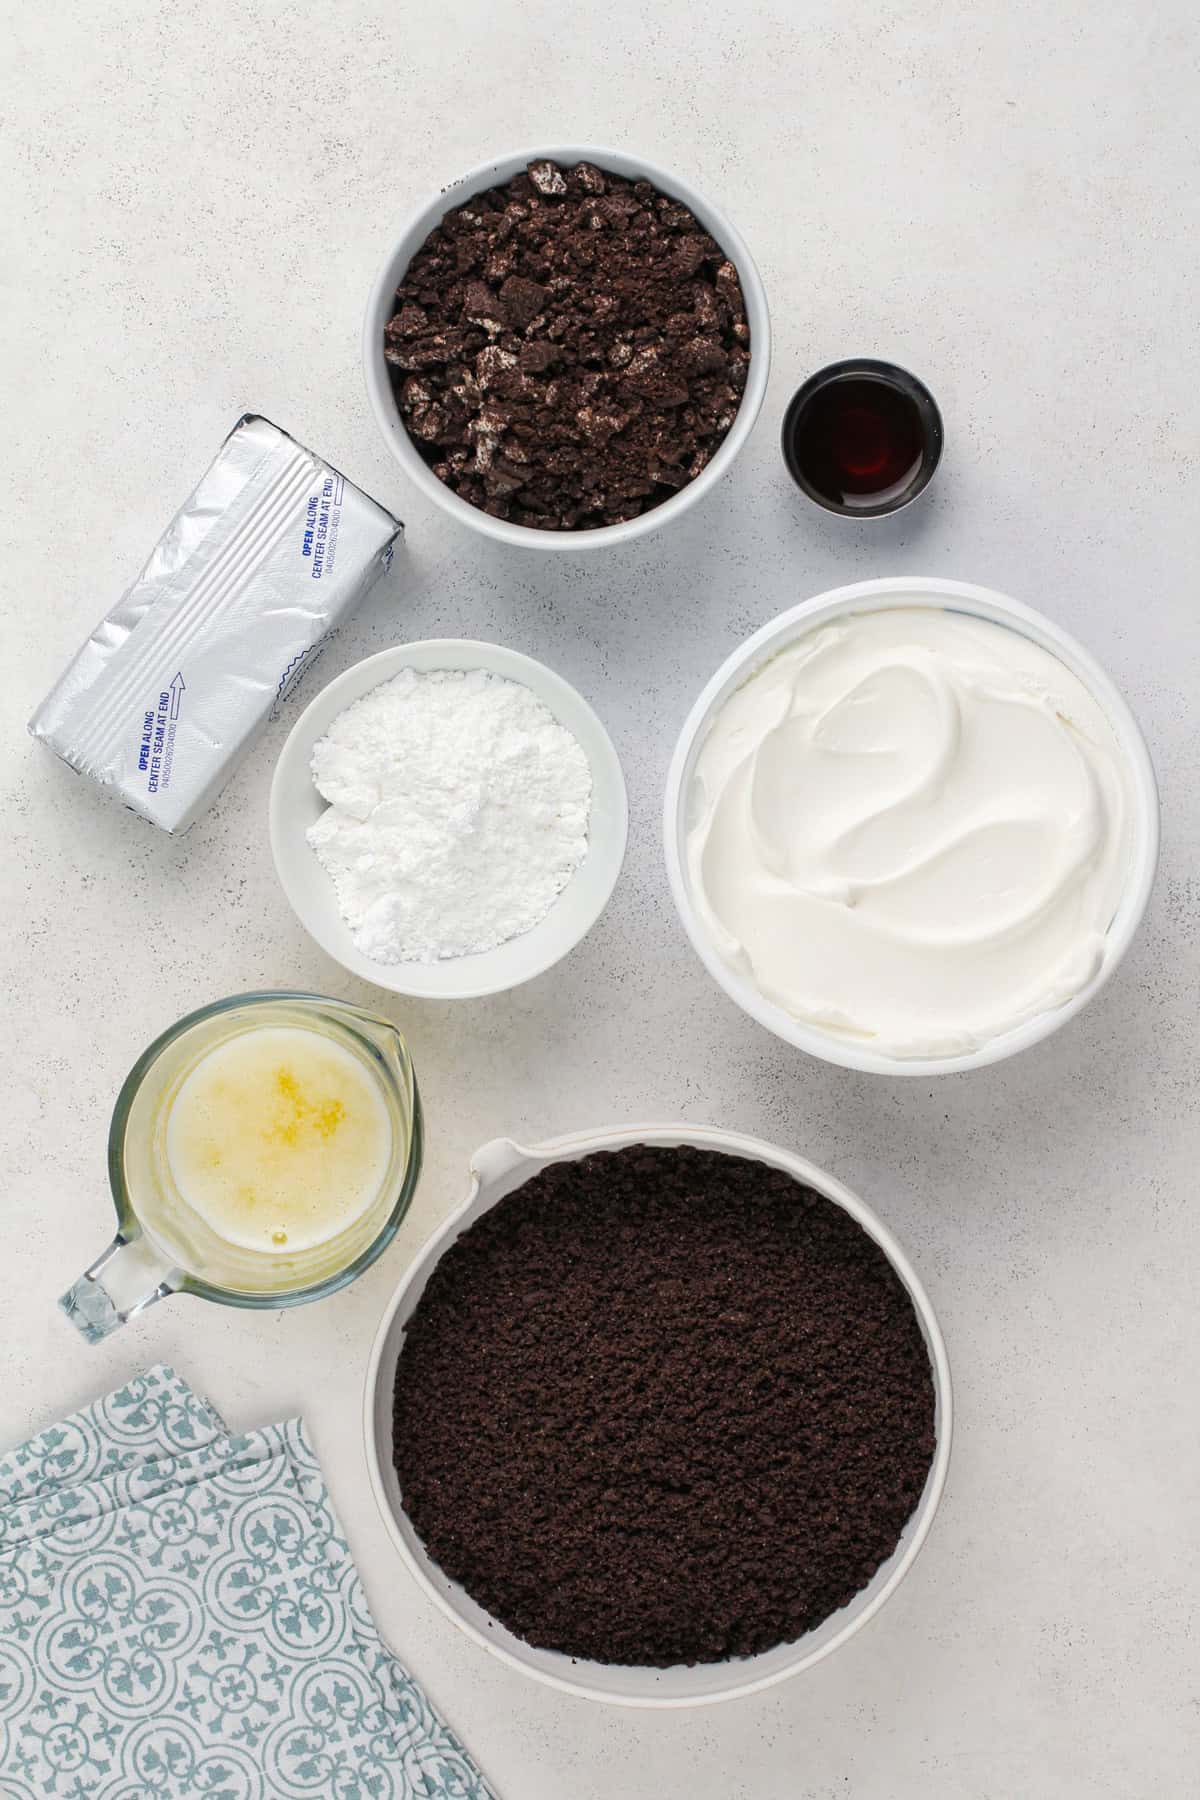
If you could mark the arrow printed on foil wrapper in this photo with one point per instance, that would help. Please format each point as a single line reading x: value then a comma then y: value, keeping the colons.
x: 178, y: 684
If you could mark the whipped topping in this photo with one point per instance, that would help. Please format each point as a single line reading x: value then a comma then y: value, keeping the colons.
x: 911, y: 827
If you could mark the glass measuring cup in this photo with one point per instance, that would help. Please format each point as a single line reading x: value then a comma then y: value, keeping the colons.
x: 164, y: 1247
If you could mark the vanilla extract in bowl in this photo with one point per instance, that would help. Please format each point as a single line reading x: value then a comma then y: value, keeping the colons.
x: 862, y: 438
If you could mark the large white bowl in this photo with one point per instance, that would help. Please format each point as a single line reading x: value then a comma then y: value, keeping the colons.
x: 495, y: 173
x: 296, y: 804
x: 496, y: 1170
x: 875, y: 596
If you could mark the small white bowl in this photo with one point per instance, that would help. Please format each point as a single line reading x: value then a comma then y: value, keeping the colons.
x: 495, y: 173
x: 496, y: 1170
x: 876, y: 596
x: 296, y: 804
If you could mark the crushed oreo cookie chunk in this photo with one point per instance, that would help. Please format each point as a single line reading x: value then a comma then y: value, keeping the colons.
x: 569, y: 350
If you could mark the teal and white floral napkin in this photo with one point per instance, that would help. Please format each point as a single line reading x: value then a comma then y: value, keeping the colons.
x: 180, y: 1619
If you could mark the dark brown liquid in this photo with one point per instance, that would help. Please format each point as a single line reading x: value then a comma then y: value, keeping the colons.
x: 857, y: 438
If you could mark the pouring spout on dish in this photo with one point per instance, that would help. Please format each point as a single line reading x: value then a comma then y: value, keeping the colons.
x: 494, y: 1160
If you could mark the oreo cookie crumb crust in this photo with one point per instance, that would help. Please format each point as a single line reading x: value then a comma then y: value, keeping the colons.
x: 568, y: 350
x: 662, y: 1406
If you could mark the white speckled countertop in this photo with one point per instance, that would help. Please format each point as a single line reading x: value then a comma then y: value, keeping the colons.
x: 1002, y: 197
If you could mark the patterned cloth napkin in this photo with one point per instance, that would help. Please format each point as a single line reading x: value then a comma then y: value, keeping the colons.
x: 180, y: 1619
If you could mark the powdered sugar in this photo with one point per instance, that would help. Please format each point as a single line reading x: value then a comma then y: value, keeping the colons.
x: 458, y: 812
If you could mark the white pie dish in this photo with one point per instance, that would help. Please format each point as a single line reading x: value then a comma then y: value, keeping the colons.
x: 496, y: 1170
x: 494, y: 173
x: 873, y: 596
x: 295, y: 805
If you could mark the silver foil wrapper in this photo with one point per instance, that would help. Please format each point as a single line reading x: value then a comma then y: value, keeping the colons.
x: 266, y: 558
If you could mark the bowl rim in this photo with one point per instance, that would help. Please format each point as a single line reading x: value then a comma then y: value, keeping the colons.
x: 876, y: 595
x: 547, y: 686
x: 508, y: 1153
x: 499, y: 168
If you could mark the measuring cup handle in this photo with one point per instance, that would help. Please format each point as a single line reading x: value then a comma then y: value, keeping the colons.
x: 130, y: 1276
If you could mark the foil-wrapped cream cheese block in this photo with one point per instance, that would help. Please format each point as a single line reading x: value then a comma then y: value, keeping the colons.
x: 264, y: 560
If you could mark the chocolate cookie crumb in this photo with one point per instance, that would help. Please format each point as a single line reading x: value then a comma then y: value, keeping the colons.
x: 609, y: 302
x: 662, y: 1406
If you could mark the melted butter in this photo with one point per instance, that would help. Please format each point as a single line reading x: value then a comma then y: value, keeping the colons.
x: 279, y: 1139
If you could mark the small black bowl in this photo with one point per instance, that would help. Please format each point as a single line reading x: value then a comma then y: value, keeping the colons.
x: 858, y: 422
